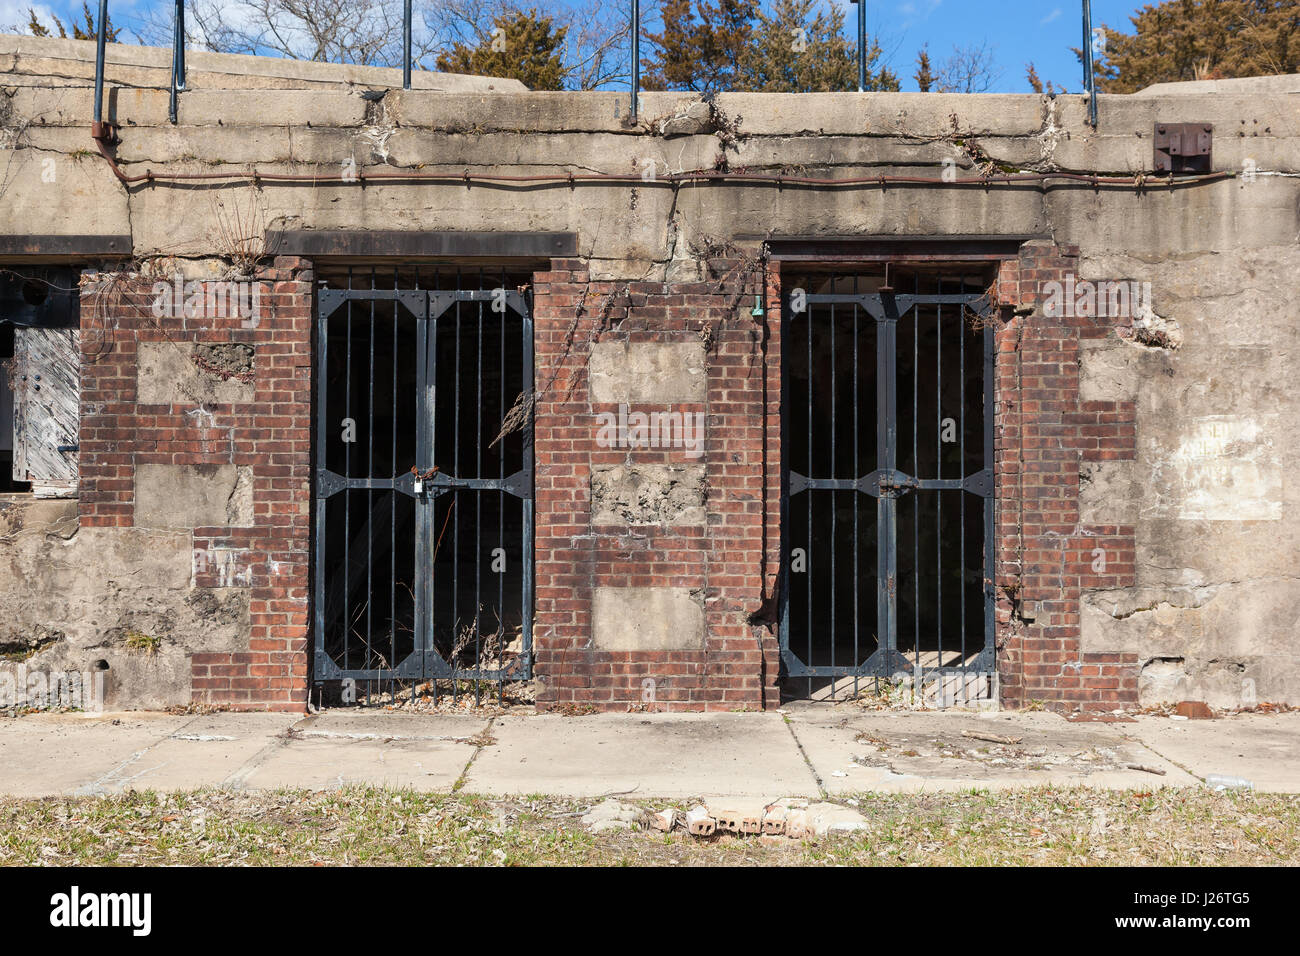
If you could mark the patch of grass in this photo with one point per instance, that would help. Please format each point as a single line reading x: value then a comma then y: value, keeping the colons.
x: 376, y: 826
x: 139, y: 641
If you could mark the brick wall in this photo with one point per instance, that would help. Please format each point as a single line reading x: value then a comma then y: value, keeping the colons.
x: 727, y: 562
x: 1046, y: 556
x: 268, y: 435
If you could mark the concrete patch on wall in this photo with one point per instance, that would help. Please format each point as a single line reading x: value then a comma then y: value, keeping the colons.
x: 1223, y: 468
x: 1230, y: 645
x: 193, y: 496
x: 1109, y: 370
x: 647, y: 619
x: 647, y: 372
x: 1108, y: 493
x: 664, y: 495
x: 121, y: 597
x: 208, y: 374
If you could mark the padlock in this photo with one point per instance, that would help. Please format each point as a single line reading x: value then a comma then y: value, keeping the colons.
x: 419, y: 486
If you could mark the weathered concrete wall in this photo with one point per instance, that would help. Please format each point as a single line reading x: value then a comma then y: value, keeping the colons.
x: 1212, y: 491
x: 646, y: 230
x: 77, y: 599
x: 1207, y: 498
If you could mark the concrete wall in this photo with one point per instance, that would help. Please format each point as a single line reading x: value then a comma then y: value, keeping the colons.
x: 1206, y: 498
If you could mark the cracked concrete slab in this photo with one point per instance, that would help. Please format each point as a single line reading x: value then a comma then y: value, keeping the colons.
x: 1264, y: 749
x: 670, y: 755
x: 424, y: 753
x: 45, y: 755
x: 906, y: 752
x: 201, y: 753
x: 663, y: 755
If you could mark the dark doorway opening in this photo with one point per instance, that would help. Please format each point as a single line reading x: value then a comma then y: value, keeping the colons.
x: 423, y: 526
x: 887, y: 451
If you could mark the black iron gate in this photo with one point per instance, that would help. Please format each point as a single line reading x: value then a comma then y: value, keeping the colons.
x: 887, y: 427
x: 423, y: 520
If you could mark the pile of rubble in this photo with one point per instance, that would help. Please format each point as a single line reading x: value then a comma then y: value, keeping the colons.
x: 793, y: 817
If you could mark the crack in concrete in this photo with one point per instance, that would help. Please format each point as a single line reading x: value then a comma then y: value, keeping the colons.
x: 113, y: 781
x: 238, y: 779
x: 464, y: 774
x: 821, y: 786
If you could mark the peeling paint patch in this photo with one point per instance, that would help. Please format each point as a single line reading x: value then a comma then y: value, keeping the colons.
x: 1225, y: 468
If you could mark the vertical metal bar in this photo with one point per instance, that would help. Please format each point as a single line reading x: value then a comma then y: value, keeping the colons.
x: 424, y: 501
x: 1089, y: 80
x: 990, y: 502
x: 392, y: 510
x: 887, y: 510
x: 862, y: 45
x: 501, y: 507
x: 406, y: 44
x: 178, y: 54
x: 784, y: 598
x: 322, y: 436
x: 809, y: 492
x: 478, y: 509
x: 347, y: 491
x: 455, y: 518
x: 636, y: 58
x: 916, y: 496
x: 834, y: 498
x: 857, y: 652
x: 370, y: 494
x: 428, y: 570
x: 961, y: 474
x: 527, y: 386
x: 938, y: 496
x: 101, y: 38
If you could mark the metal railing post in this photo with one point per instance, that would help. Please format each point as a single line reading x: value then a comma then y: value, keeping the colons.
x: 1089, y: 81
x: 178, y: 60
x: 862, y: 45
x: 636, y: 56
x: 406, y: 45
x: 100, y: 39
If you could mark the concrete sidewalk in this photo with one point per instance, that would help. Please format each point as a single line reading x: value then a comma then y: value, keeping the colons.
x: 804, y: 750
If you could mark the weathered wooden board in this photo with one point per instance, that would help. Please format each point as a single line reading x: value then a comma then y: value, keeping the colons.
x: 47, y: 408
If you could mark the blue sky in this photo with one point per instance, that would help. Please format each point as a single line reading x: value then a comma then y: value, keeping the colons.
x: 1017, y: 30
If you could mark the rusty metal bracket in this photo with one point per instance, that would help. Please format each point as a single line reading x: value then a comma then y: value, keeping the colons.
x: 1183, y: 147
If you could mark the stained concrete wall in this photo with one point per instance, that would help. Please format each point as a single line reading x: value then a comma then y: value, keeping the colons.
x: 120, y: 601
x: 1215, y: 611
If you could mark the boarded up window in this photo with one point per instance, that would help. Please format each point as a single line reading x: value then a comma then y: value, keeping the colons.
x: 47, y: 406
x: 42, y: 379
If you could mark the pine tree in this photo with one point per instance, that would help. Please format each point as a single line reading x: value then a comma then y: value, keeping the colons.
x: 924, y: 74
x: 702, y: 47
x: 522, y: 46
x: 1200, y: 39
x: 87, y: 32
x: 801, y: 48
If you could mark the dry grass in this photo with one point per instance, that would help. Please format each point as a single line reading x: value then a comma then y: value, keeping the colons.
x: 369, y: 826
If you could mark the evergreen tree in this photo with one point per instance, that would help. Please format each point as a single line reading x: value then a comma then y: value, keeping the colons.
x: 1200, y: 39
x: 800, y: 47
x: 924, y: 74
x: 522, y: 46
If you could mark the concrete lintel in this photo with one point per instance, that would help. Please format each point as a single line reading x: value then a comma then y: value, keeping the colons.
x: 69, y: 247
x: 417, y: 244
x: 894, y: 248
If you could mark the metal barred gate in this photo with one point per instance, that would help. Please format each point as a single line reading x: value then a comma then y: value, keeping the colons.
x: 888, y: 509
x: 423, y: 525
